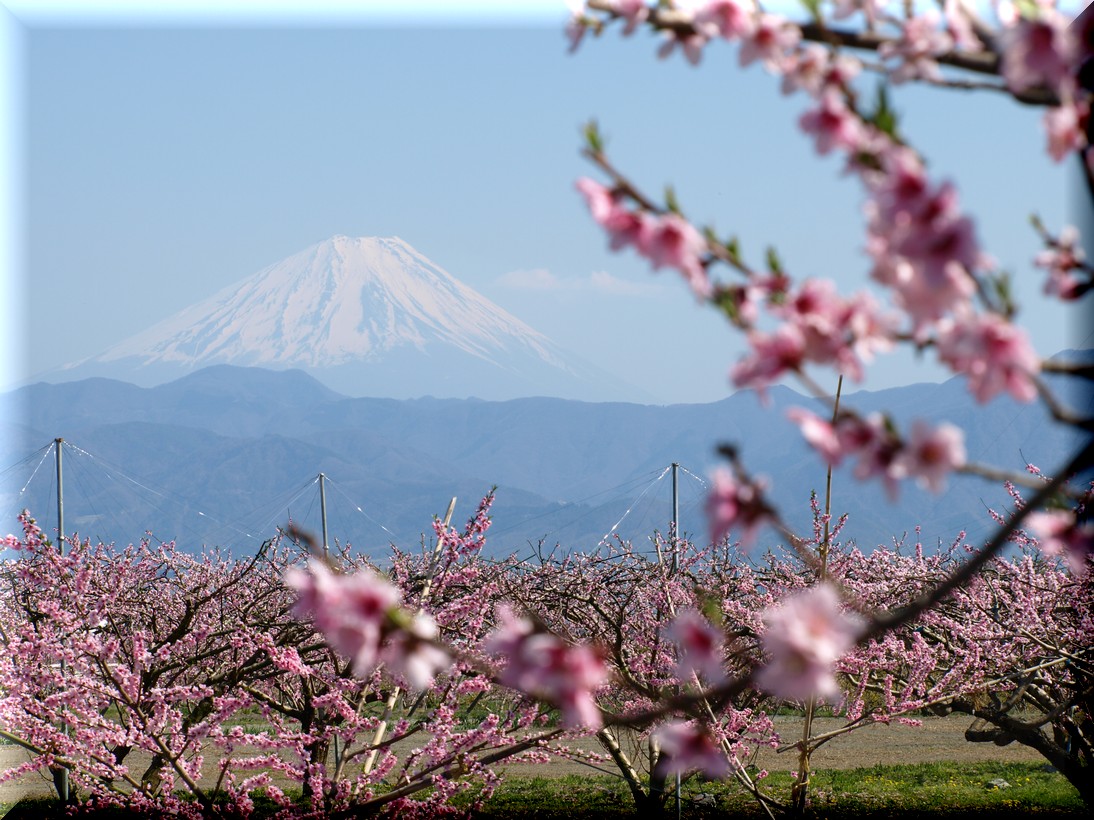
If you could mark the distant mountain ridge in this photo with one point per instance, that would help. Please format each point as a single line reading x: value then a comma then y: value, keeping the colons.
x: 366, y: 316
x: 233, y: 444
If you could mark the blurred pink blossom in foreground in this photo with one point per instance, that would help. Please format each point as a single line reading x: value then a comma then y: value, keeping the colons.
x: 700, y: 644
x: 1060, y: 535
x: 544, y: 665
x: 360, y: 617
x: 686, y: 747
x: 806, y: 634
x: 735, y: 505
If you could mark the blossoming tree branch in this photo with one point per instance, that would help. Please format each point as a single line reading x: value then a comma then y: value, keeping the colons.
x: 941, y: 290
x: 941, y: 294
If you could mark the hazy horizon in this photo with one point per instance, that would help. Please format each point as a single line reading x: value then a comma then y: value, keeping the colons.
x: 168, y: 158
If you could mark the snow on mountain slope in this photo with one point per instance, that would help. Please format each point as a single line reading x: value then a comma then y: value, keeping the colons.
x: 366, y: 316
x: 339, y: 301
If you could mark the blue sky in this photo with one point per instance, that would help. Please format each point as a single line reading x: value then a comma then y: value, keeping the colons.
x: 163, y: 158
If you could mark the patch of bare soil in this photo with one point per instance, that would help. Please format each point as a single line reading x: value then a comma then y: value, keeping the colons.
x: 939, y: 738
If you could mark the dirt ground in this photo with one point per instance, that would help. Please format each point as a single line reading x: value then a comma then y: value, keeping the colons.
x: 937, y: 739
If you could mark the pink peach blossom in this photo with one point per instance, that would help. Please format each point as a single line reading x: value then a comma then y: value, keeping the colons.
x: 1065, y: 126
x: 806, y: 635
x: 635, y: 12
x: 599, y: 199
x: 771, y: 41
x: 700, y: 645
x: 871, y: 329
x: 921, y: 41
x: 628, y: 228
x: 1040, y: 51
x: 993, y: 353
x: 902, y: 192
x: 875, y: 446
x: 936, y: 245
x: 624, y: 227
x: 819, y: 433
x: 833, y: 124
x: 724, y: 18
x: 675, y: 243
x: 350, y: 610
x: 687, y: 747
x: 575, y: 32
x: 691, y: 44
x: 923, y: 247
x: 543, y: 665
x: 959, y: 25
x: 411, y: 654
x: 819, y: 313
x: 1059, y: 535
x: 735, y: 505
x: 804, y: 69
x: 925, y: 264
x: 871, y: 9
x: 931, y: 454
x: 773, y: 356
x: 839, y: 332
x: 814, y: 68
x: 1065, y: 256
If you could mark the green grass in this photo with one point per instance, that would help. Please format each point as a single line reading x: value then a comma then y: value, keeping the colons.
x: 922, y: 790
x: 949, y: 787
x: 934, y: 789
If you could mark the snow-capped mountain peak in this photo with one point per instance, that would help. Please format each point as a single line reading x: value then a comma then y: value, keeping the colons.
x: 341, y: 301
x: 366, y: 316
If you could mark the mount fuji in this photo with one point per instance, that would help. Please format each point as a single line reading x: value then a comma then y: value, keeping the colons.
x: 366, y: 317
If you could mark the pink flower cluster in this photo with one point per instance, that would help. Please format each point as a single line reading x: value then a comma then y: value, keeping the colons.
x: 872, y: 10
x: 766, y: 38
x: 922, y: 40
x: 634, y: 12
x: 1061, y: 260
x: 688, y: 747
x: 929, y: 455
x: 923, y: 247
x: 360, y: 617
x: 806, y: 634
x: 994, y: 354
x: 667, y: 240
x: 833, y: 124
x: 545, y: 666
x: 732, y: 503
x: 771, y: 41
x: 1066, y: 126
x: 818, y: 326
x: 1061, y: 535
x: 701, y: 647
x: 814, y: 68
x: 1040, y: 51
